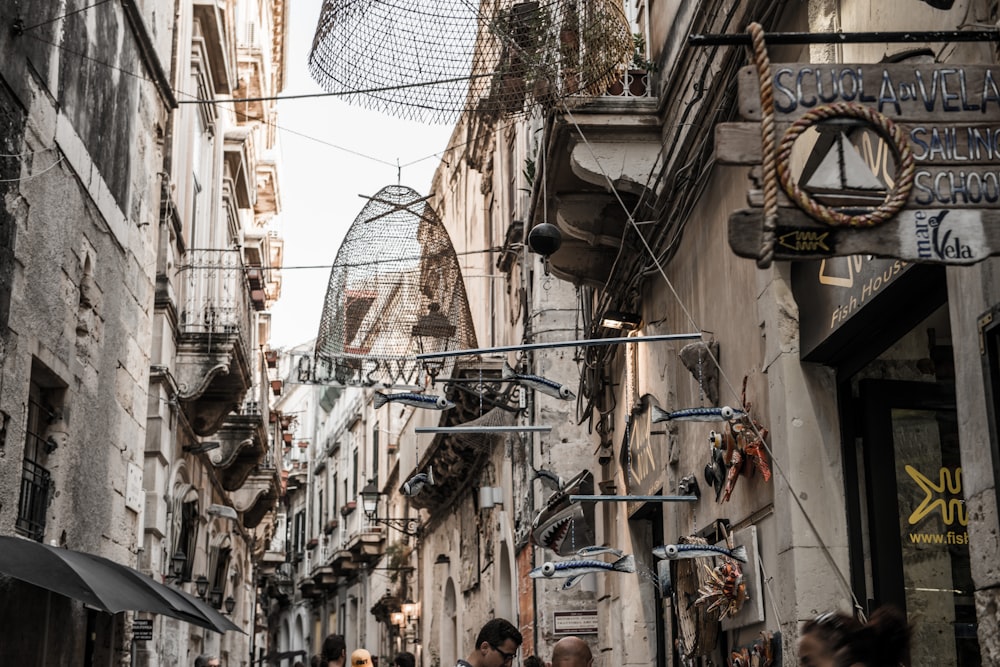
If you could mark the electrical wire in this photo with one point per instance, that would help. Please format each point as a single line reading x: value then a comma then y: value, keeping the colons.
x: 34, y: 174
x: 20, y: 30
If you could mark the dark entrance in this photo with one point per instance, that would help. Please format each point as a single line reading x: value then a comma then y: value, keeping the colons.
x: 907, y: 517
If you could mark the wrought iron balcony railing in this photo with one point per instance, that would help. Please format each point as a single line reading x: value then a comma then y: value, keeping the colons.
x: 36, y: 483
x: 216, y: 295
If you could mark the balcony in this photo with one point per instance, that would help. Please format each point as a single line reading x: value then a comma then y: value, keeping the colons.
x: 368, y: 545
x: 623, y: 139
x: 244, y: 439
x: 214, y: 335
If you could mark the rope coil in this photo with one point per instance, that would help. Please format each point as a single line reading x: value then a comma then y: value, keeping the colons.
x: 899, y: 192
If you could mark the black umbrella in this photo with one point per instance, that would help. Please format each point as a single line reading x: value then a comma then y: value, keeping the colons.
x: 101, y: 583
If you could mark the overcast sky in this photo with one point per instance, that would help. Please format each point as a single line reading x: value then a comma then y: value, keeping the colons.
x: 320, y: 184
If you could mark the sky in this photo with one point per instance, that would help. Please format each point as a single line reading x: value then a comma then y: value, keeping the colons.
x: 347, y: 151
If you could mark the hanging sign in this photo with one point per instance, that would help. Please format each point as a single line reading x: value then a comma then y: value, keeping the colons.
x: 899, y: 160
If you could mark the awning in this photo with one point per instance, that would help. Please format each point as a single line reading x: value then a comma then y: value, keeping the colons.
x: 102, y: 584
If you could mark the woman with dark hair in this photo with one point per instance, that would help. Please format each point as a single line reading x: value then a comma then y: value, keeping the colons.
x: 839, y: 640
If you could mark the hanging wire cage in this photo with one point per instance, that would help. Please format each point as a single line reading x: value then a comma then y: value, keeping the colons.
x: 395, y: 291
x: 430, y: 60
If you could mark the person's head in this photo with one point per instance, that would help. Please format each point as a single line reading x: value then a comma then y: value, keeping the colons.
x: 334, y: 649
x: 572, y: 652
x: 883, y: 640
x: 533, y: 661
x: 316, y: 661
x: 823, y: 636
x: 496, y: 644
x: 361, y: 658
x: 404, y: 659
x: 206, y: 660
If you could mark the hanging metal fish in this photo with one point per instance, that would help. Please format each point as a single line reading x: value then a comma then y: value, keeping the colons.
x: 416, y: 484
x: 549, y: 479
x: 675, y: 551
x: 723, y: 414
x: 715, y: 470
x: 424, y: 401
x: 590, y: 552
x: 574, y: 570
x: 538, y: 383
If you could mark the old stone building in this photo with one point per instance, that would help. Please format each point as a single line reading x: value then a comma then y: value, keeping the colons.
x: 139, y: 260
x: 860, y: 468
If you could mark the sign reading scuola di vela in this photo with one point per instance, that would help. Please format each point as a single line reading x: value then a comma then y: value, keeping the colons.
x: 939, y: 127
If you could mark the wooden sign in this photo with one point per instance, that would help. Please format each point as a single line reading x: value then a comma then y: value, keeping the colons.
x: 950, y: 121
x: 932, y: 92
x: 943, y: 236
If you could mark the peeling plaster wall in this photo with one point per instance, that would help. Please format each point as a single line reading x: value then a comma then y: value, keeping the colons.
x: 79, y: 278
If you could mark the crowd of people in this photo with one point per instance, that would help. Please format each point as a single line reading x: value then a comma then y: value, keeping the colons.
x: 830, y: 640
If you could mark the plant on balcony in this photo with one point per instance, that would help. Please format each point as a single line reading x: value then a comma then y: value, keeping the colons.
x: 313, y: 543
x: 330, y: 526
x: 348, y: 507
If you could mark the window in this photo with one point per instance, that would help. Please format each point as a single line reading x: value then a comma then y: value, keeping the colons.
x: 46, y: 431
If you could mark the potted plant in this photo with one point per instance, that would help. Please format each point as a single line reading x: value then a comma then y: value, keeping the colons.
x: 348, y: 507
x: 635, y: 80
x: 330, y: 526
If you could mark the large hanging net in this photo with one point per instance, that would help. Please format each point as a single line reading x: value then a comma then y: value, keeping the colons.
x: 429, y: 60
x: 395, y: 291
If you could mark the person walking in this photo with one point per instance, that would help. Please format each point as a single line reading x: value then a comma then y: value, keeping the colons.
x: 571, y: 652
x: 839, y: 640
x: 404, y: 659
x: 205, y: 660
x: 496, y: 645
x: 334, y: 653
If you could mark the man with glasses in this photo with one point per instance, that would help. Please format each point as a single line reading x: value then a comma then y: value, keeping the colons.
x: 496, y: 645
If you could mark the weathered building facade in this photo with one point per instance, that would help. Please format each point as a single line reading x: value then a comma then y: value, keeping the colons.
x: 870, y: 381
x: 139, y: 261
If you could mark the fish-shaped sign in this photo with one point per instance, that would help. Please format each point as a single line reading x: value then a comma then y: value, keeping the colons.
x: 424, y: 401
x: 590, y: 552
x: 565, y: 526
x: 574, y: 570
x: 675, y: 551
x: 723, y: 414
x: 538, y: 383
x: 416, y: 484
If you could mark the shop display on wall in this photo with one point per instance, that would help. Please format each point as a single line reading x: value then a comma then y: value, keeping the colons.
x: 899, y: 161
x: 697, y: 630
x: 763, y: 652
x: 564, y: 526
x: 740, y: 450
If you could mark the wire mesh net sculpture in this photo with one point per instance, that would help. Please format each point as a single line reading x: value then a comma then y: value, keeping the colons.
x: 429, y: 60
x: 395, y: 291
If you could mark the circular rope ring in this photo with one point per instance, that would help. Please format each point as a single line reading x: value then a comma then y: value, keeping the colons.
x: 895, y: 199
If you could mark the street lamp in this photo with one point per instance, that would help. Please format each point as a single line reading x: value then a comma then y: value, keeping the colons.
x: 201, y: 586
x: 177, y: 563
x: 215, y: 598
x: 369, y: 502
x: 230, y: 604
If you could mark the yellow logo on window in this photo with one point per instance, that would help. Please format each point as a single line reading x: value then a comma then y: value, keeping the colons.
x: 951, y: 510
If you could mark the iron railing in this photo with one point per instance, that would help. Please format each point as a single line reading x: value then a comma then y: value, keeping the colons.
x: 36, y: 483
x: 216, y: 295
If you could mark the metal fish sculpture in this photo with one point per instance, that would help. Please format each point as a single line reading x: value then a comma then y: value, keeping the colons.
x: 424, y: 401
x: 590, y: 552
x: 549, y: 479
x: 723, y: 414
x: 416, y: 484
x: 563, y: 526
x: 675, y: 551
x: 574, y: 570
x: 538, y: 383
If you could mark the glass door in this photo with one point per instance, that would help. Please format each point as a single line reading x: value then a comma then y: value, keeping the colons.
x: 917, y: 521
